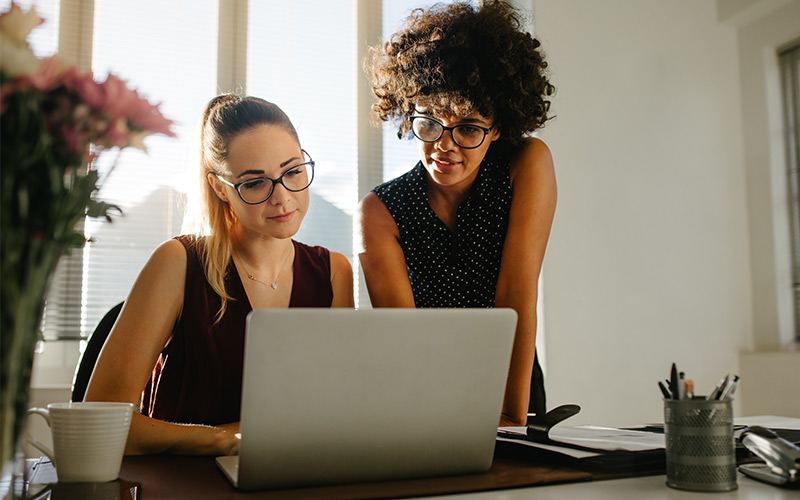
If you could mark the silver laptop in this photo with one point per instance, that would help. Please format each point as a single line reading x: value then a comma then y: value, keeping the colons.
x: 342, y: 395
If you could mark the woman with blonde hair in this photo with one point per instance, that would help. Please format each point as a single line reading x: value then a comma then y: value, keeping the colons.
x: 179, y: 341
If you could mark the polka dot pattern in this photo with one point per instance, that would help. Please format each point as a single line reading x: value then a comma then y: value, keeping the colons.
x: 446, y: 269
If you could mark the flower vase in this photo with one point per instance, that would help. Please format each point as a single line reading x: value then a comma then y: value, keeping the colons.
x: 14, y: 480
x: 27, y: 266
x: 55, y: 120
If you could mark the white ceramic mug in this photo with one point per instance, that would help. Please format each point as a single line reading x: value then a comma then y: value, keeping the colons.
x: 88, y: 439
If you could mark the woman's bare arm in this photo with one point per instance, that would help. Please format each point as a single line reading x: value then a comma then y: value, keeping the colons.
x: 130, y: 353
x: 532, y: 208
x: 341, y: 281
x: 382, y: 257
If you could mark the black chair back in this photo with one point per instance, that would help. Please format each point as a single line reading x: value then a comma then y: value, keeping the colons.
x: 89, y: 357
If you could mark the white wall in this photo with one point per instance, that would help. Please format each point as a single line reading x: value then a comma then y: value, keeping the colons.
x: 771, y: 369
x: 649, y: 258
x: 765, y: 168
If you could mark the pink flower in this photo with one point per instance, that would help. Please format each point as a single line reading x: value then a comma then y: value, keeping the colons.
x: 82, y: 82
x: 117, y: 134
x: 47, y: 76
x: 72, y: 140
x: 148, y: 117
x: 75, y: 108
x: 122, y: 101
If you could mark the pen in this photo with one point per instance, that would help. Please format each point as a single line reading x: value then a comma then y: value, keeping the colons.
x: 723, y: 387
x: 728, y: 391
x: 664, y: 390
x: 681, y: 385
x: 714, y: 394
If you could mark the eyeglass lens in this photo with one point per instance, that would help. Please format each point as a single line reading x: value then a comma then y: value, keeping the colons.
x: 295, y: 179
x: 466, y: 136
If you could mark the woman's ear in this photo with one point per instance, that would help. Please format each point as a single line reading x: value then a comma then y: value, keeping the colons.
x: 216, y: 185
x: 495, y: 133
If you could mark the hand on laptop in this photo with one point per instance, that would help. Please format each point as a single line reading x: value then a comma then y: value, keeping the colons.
x: 229, y: 440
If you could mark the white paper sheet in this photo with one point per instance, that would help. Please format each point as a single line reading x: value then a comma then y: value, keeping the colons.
x: 600, y: 438
x: 769, y: 421
x: 559, y: 449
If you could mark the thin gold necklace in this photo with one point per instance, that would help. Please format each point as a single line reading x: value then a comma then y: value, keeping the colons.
x: 274, y: 284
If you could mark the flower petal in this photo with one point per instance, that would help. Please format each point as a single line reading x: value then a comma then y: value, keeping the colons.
x: 17, y: 25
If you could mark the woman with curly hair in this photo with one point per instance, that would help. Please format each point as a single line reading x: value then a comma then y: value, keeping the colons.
x: 179, y: 340
x: 468, y: 225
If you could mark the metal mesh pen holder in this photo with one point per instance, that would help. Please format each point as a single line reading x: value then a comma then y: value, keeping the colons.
x: 701, y: 455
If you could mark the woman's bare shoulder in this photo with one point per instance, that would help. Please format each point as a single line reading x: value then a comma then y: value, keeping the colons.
x: 339, y: 262
x: 534, y: 157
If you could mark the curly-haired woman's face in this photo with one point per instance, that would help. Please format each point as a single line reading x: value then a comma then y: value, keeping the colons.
x: 447, y: 163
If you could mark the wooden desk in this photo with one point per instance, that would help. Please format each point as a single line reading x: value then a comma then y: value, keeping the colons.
x: 166, y: 477
x: 171, y: 477
x: 511, y: 477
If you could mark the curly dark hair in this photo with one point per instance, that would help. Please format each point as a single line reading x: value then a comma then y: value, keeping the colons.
x: 457, y: 59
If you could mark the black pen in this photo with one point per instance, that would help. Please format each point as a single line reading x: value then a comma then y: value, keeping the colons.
x: 664, y: 390
x: 673, y: 382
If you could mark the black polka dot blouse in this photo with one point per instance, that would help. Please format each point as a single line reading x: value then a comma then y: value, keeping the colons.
x: 446, y: 269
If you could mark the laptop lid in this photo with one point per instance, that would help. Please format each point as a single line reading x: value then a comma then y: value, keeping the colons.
x: 342, y: 395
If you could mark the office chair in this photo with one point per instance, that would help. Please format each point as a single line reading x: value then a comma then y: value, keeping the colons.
x: 89, y: 357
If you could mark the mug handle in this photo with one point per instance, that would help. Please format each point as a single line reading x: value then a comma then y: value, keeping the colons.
x: 44, y: 412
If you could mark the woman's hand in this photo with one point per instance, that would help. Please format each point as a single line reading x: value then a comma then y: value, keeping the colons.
x: 228, y: 439
x: 149, y: 436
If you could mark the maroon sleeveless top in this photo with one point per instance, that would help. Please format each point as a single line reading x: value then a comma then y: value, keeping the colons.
x: 198, y: 376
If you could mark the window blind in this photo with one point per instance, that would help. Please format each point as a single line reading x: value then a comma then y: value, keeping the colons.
x: 301, y: 57
x: 789, y: 60
x: 399, y: 155
x: 167, y: 50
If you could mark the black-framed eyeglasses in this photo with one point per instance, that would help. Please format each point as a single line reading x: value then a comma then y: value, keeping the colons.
x: 258, y: 189
x: 467, y: 136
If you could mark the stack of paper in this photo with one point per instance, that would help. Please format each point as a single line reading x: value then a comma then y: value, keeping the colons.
x: 593, y: 447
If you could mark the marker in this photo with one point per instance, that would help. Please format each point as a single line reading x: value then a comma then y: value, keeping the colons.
x: 681, y: 385
x: 664, y: 390
x: 689, y: 389
x: 673, y: 382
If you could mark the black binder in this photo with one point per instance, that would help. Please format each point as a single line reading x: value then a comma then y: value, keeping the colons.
x: 623, y: 462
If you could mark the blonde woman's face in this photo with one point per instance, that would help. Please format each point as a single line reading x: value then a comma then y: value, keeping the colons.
x: 264, y: 151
